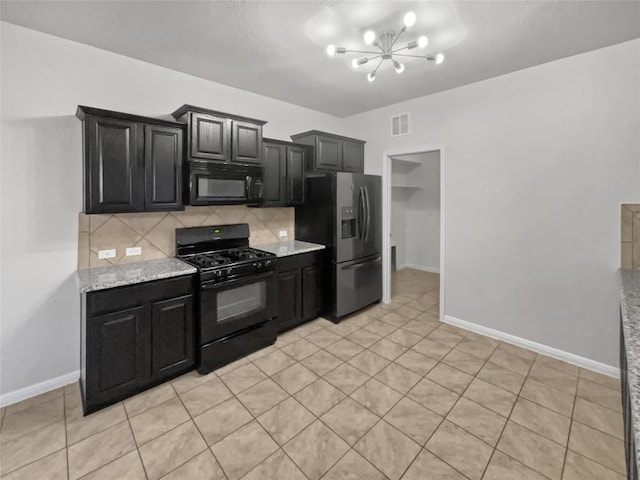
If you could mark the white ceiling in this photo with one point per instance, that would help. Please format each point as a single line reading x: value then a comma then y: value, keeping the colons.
x: 277, y: 48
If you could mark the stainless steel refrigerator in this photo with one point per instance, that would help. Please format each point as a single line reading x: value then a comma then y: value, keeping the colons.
x: 343, y: 211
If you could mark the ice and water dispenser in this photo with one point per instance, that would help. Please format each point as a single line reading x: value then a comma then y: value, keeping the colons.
x: 348, y: 223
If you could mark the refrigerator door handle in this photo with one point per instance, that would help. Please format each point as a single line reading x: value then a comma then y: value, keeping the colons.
x: 361, y: 225
x: 368, y: 210
x: 366, y: 263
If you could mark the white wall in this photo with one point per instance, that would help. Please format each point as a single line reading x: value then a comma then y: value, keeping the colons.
x: 537, y: 163
x: 423, y: 214
x: 44, y: 78
x: 399, y: 224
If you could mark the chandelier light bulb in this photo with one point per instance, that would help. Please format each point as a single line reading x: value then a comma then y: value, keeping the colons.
x: 371, y: 77
x: 369, y: 37
x: 409, y: 19
x: 354, y: 63
x: 398, y: 66
x: 439, y: 58
x: 331, y: 50
x: 423, y: 41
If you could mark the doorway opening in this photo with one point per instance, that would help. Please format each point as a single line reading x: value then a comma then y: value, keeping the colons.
x: 413, y: 227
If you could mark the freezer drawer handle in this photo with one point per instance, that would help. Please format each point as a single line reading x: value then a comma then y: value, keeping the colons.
x: 363, y: 264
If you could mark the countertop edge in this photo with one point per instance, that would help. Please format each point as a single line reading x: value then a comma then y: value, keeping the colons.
x: 290, y: 247
x: 630, y: 314
x: 88, y: 279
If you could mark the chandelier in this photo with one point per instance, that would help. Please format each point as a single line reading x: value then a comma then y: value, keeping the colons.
x: 385, y: 43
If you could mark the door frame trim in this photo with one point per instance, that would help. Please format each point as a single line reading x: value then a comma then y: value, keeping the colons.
x: 386, y: 218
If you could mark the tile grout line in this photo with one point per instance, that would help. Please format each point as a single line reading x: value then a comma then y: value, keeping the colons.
x: 444, y: 417
x: 35, y: 431
x: 573, y: 409
x: 504, y: 427
x: 192, y: 420
x: 135, y: 441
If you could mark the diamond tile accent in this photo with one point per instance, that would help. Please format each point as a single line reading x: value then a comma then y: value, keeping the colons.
x: 155, y: 231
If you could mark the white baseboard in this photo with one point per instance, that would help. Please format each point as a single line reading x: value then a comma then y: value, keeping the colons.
x: 536, y: 347
x: 38, y: 388
x: 419, y: 267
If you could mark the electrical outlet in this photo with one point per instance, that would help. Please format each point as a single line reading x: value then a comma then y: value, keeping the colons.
x: 131, y: 251
x: 102, y: 254
x: 283, y: 234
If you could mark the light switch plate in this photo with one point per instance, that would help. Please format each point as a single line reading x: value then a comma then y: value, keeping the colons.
x: 131, y: 251
x: 283, y: 234
x: 102, y: 254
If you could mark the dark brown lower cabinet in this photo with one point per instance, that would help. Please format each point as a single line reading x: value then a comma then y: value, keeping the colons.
x: 172, y: 336
x: 135, y: 337
x: 298, y: 289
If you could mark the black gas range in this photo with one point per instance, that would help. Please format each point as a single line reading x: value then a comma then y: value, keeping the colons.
x: 237, y: 307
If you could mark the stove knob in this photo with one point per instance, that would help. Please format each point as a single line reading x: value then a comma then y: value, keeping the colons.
x: 229, y: 270
x: 218, y: 273
x: 267, y: 263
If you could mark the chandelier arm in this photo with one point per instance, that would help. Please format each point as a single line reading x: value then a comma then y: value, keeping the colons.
x: 428, y: 57
x: 402, y: 30
x: 362, y: 51
x: 376, y: 69
x: 400, y: 49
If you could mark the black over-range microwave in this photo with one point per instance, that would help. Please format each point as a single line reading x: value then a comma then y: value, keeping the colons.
x: 216, y: 184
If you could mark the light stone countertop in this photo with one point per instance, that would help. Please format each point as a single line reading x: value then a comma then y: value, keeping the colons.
x: 102, y: 278
x: 630, y: 309
x: 290, y: 247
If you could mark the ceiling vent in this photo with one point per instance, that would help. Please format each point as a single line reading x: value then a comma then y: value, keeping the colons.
x: 400, y: 125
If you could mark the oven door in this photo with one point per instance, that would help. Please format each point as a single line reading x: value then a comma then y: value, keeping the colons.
x: 234, y: 305
x: 217, y: 184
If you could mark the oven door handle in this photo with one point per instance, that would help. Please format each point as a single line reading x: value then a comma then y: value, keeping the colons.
x: 251, y: 278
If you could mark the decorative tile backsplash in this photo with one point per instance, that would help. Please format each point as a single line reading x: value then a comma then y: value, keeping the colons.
x: 155, y: 232
x: 630, y: 236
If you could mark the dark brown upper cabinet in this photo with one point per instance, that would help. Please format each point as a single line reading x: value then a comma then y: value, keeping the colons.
x: 221, y: 137
x: 284, y: 164
x: 332, y: 153
x: 131, y: 163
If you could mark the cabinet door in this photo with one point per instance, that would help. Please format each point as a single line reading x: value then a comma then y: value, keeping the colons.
x: 353, y: 157
x: 275, y: 169
x: 210, y: 138
x: 118, y: 354
x: 310, y: 291
x: 328, y: 153
x: 162, y: 168
x: 247, y: 143
x: 295, y: 175
x: 111, y: 165
x: 172, y: 336
x: 289, y: 301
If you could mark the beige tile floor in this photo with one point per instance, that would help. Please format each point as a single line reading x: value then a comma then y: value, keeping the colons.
x: 387, y: 394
